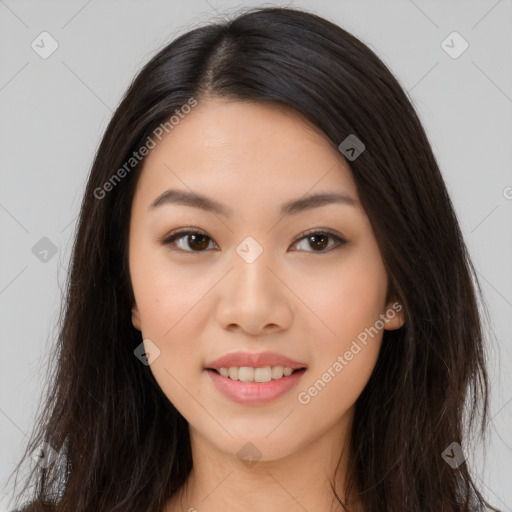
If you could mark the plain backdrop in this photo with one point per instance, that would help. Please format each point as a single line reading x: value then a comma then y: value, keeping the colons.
x: 55, y: 109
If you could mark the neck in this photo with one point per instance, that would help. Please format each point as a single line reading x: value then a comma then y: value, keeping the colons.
x: 297, y: 482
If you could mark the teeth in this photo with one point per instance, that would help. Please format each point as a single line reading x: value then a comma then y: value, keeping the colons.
x: 249, y: 374
x: 246, y: 374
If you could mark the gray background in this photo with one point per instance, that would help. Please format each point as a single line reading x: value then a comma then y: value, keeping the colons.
x: 54, y: 110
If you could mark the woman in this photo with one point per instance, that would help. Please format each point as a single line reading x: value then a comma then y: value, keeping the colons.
x: 270, y: 301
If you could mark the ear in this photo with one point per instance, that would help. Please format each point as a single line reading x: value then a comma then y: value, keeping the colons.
x: 394, y: 315
x: 136, y: 317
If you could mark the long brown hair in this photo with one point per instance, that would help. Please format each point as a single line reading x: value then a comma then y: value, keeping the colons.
x: 122, y: 445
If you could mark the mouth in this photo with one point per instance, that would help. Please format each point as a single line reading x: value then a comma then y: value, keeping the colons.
x: 258, y: 375
x: 254, y: 386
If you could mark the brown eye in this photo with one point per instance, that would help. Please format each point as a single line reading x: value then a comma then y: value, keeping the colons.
x: 319, y: 240
x: 197, y: 241
x: 193, y: 241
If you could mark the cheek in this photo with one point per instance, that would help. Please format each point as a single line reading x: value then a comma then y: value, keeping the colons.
x: 172, y: 306
x: 347, y: 341
x: 348, y: 300
x: 166, y: 296
x: 342, y: 366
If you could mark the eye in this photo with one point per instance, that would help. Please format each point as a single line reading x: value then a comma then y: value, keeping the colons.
x: 199, y: 241
x: 195, y: 239
x: 319, y: 240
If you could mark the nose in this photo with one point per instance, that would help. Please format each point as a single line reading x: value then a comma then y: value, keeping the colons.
x: 254, y: 298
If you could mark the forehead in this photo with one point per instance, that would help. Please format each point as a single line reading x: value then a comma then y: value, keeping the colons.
x: 244, y: 150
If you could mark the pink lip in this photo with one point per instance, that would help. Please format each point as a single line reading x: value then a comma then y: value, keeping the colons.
x: 254, y: 393
x: 255, y: 360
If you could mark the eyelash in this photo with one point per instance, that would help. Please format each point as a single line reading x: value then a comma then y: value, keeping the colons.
x: 167, y: 241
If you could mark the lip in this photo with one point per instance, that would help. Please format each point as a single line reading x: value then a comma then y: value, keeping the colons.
x: 255, y: 360
x: 254, y: 393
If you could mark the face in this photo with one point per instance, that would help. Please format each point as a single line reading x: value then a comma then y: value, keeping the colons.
x: 251, y: 275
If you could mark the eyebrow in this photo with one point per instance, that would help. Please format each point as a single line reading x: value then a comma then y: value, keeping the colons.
x: 195, y: 200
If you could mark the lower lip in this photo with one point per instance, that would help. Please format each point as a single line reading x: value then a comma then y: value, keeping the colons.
x: 254, y: 393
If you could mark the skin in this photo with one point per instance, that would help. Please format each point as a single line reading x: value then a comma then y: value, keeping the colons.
x: 301, y: 301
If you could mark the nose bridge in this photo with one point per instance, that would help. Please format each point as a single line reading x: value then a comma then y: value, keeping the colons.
x: 253, y: 296
x: 251, y: 261
x: 251, y: 250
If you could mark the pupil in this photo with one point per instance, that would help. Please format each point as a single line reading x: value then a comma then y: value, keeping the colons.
x: 198, y: 246
x: 320, y: 245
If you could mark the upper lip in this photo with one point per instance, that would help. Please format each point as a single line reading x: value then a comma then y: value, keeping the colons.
x: 255, y: 360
